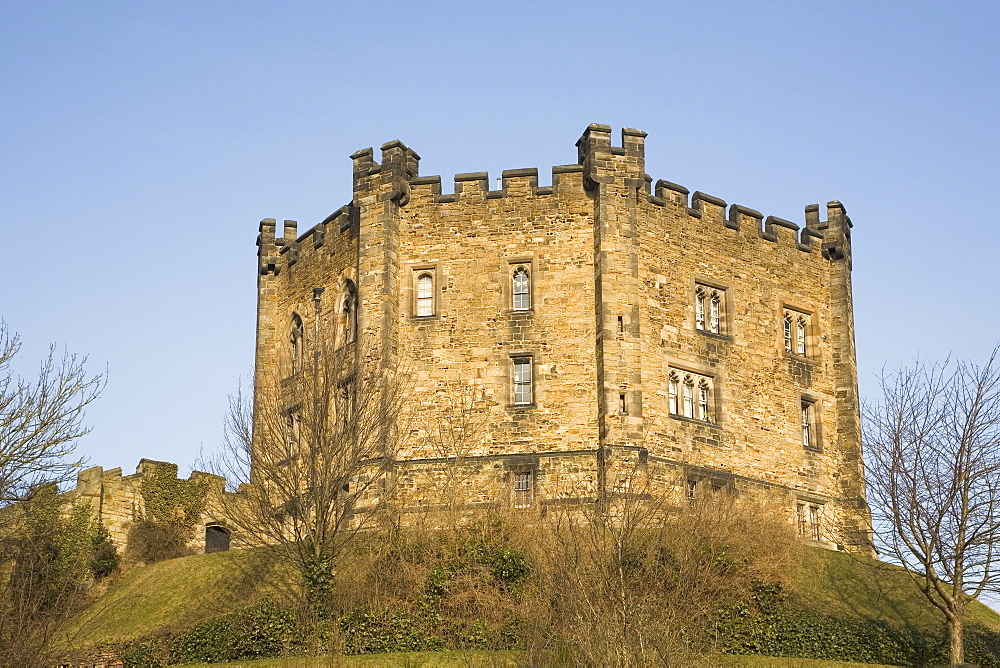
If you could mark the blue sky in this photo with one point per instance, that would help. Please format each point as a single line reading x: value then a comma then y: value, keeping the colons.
x: 143, y: 142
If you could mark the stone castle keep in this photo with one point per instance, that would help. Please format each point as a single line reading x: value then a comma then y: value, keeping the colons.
x: 610, y: 331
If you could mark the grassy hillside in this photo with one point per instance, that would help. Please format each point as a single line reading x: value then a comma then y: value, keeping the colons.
x: 179, y: 593
x: 845, y: 585
x: 175, y: 594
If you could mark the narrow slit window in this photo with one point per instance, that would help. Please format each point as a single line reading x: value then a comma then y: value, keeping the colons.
x: 688, y: 397
x: 522, y: 290
x: 296, y: 342
x: 808, y: 436
x: 703, y: 405
x: 699, y: 308
x: 425, y: 295
x: 622, y: 405
x: 351, y: 313
x: 522, y: 381
x: 715, y: 306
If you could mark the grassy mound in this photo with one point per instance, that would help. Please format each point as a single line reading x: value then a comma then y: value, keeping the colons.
x: 180, y: 593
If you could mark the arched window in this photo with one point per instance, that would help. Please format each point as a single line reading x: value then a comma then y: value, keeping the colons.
x: 795, y: 327
x: 521, y: 290
x: 788, y: 332
x: 699, y: 308
x: 714, y: 319
x: 425, y: 294
x: 296, y: 342
x: 672, y: 388
x: 800, y: 336
x: 703, y: 406
x: 217, y: 538
x: 350, y: 309
x: 688, y: 397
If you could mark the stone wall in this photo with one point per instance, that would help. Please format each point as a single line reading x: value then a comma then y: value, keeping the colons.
x: 117, y: 500
x: 614, y: 264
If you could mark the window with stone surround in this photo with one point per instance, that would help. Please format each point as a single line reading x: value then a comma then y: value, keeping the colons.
x: 709, y: 308
x: 349, y: 310
x: 809, y: 424
x: 296, y: 343
x: 809, y: 520
x: 524, y: 488
x: 690, y: 395
x: 522, y: 390
x: 795, y: 331
x: 424, y: 294
x: 521, y: 289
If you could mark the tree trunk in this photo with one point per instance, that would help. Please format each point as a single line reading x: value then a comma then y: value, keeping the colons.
x: 956, y: 648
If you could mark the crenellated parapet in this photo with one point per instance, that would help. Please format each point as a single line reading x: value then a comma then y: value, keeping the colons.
x: 116, y: 500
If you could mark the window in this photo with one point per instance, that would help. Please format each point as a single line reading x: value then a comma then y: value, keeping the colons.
x: 522, y: 381
x: 691, y: 491
x: 809, y: 520
x: 689, y: 395
x: 810, y: 435
x: 703, y: 413
x: 350, y: 312
x: 622, y: 405
x: 425, y: 294
x: 523, y: 489
x: 521, y: 291
x: 296, y: 343
x: 709, y: 306
x: 294, y: 426
x: 795, y: 325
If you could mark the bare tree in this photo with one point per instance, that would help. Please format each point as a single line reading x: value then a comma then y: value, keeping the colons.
x: 41, y: 420
x: 933, y: 471
x: 310, y: 456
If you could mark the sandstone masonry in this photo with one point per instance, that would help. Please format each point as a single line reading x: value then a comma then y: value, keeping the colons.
x: 599, y: 329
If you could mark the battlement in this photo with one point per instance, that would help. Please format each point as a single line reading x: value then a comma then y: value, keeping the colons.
x: 396, y: 178
x: 116, y: 500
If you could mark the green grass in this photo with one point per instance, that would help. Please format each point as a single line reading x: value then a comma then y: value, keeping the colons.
x: 484, y: 659
x: 839, y: 584
x: 473, y: 658
x: 174, y: 594
x: 182, y: 592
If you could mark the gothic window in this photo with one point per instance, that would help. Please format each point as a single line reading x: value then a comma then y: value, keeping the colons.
x: 795, y: 326
x: 690, y: 395
x: 296, y: 343
x: 425, y: 294
x: 521, y: 290
x: 350, y: 313
x: 523, y: 488
x: 709, y: 307
x: 522, y: 381
x: 703, y: 405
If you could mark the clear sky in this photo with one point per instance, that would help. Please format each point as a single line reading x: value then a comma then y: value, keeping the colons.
x: 142, y: 142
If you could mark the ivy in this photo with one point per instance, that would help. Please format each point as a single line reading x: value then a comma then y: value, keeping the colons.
x: 172, y: 508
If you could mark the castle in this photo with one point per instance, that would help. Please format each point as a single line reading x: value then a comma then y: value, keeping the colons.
x: 605, y: 327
